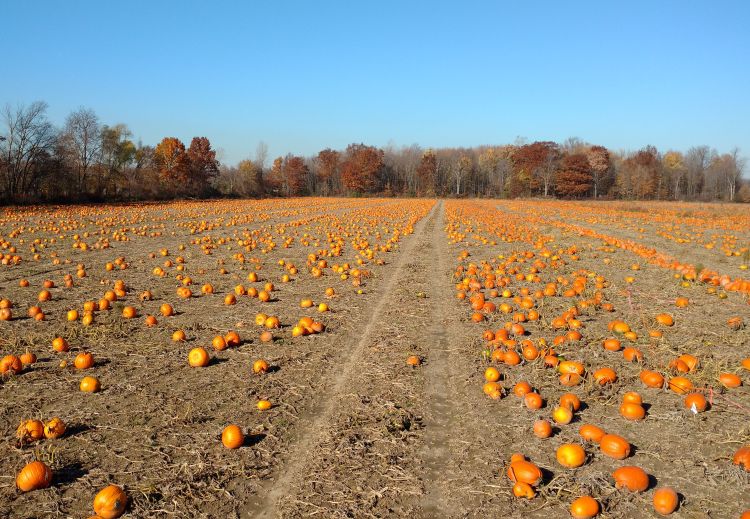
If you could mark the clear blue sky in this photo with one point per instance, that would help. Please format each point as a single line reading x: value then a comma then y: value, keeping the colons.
x: 306, y: 75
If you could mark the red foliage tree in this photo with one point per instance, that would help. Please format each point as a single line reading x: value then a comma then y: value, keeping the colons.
x: 328, y: 169
x: 361, y: 168
x: 534, y: 166
x: 203, y: 165
x: 295, y: 172
x: 574, y: 178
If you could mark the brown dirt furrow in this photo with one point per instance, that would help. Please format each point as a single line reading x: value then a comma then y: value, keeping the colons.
x: 303, y: 455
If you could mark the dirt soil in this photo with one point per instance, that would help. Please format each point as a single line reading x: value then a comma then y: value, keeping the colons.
x: 354, y: 431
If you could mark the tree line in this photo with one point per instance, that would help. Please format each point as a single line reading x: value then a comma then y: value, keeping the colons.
x: 86, y: 160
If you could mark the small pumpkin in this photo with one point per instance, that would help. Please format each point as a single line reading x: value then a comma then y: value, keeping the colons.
x: 84, y: 360
x: 34, y: 476
x: 198, y: 358
x: 614, y: 446
x: 263, y: 405
x: 523, y: 490
x: 542, y: 429
x: 742, y: 457
x: 652, y: 379
x: 232, y: 437
x: 90, y: 385
x: 525, y: 472
x: 631, y: 478
x: 696, y: 402
x: 260, y: 366
x: 585, y: 507
x: 110, y: 502
x: 10, y: 364
x: 571, y: 455
x: 632, y: 411
x: 54, y: 428
x: 591, y: 433
x: 30, y: 431
x: 665, y: 500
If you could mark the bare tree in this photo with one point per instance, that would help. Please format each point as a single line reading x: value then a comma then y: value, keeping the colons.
x: 82, y: 140
x: 696, y: 163
x: 28, y: 139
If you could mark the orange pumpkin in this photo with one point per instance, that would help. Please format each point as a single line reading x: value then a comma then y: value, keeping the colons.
x: 34, y: 476
x: 614, y: 446
x: 110, y: 502
x: 584, y: 507
x: 631, y: 478
x: 665, y: 500
x: 232, y: 437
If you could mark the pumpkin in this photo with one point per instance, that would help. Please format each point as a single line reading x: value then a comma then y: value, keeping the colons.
x: 585, y: 507
x: 631, y: 397
x: 263, y: 405
x: 110, y: 502
x: 521, y: 489
x: 742, y: 457
x: 27, y: 358
x: 570, y: 401
x: 680, y: 385
x: 533, y: 400
x: 571, y: 455
x: 232, y: 437
x: 232, y: 338
x: 129, y: 312
x: 84, y: 360
x: 631, y: 354
x: 632, y: 411
x: 198, y: 358
x: 665, y: 319
x: 179, y: 336
x: 665, y: 500
x: 10, y: 363
x: 631, y: 478
x: 604, y: 376
x: 413, y: 360
x: 89, y: 385
x: 266, y: 336
x: 525, y: 472
x: 219, y: 343
x: 260, y: 366
x: 491, y: 375
x: 696, y: 402
x: 591, y: 433
x: 652, y: 379
x: 60, y: 345
x: 54, y: 428
x: 614, y: 446
x: 542, y: 429
x: 730, y: 380
x: 521, y: 388
x: 34, y: 476
x: 30, y: 431
x: 562, y: 415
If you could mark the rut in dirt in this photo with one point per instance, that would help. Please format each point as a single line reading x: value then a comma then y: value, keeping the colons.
x: 299, y: 456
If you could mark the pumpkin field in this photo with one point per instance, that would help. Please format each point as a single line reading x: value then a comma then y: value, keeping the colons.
x: 375, y: 357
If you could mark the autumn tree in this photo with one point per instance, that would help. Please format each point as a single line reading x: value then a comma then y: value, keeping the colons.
x: 599, y: 165
x: 295, y: 172
x: 361, y: 168
x: 640, y: 174
x: 574, y: 178
x: 534, y: 165
x: 172, y: 162
x: 427, y: 173
x: 202, y: 166
x: 674, y: 166
x: 327, y: 166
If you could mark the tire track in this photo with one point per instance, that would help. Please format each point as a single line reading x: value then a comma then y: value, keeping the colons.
x: 301, y: 454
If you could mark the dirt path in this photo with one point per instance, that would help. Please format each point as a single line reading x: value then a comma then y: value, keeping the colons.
x: 306, y: 447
